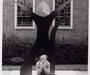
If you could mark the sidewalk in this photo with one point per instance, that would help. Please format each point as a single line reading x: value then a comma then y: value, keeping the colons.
x: 63, y: 72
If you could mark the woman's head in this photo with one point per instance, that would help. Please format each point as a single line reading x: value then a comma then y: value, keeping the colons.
x: 43, y: 58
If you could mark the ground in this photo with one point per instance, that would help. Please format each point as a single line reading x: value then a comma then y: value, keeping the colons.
x: 59, y: 70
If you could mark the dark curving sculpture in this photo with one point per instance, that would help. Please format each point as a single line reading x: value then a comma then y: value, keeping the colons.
x: 42, y: 40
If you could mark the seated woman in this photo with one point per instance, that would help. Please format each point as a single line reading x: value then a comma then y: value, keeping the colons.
x: 43, y: 66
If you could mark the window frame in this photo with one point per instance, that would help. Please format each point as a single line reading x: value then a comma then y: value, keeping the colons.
x: 71, y: 17
x: 33, y: 24
x: 23, y: 27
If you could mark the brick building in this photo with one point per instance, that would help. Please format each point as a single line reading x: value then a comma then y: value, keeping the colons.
x: 72, y: 44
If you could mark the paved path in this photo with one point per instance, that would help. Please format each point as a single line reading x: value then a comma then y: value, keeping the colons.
x: 61, y: 72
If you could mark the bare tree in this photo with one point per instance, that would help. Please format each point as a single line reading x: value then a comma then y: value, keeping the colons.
x: 26, y: 68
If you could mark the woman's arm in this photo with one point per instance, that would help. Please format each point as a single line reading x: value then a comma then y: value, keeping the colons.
x: 38, y: 68
x: 47, y: 69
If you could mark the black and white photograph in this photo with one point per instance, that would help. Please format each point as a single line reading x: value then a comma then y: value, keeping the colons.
x: 45, y: 37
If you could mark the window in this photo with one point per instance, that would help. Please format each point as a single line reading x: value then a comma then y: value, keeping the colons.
x: 22, y: 18
x: 67, y: 12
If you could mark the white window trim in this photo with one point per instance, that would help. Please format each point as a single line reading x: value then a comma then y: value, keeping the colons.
x: 23, y: 27
x: 71, y: 17
x: 33, y: 26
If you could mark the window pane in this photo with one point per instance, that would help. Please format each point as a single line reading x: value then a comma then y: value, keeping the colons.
x: 65, y: 12
x: 23, y: 18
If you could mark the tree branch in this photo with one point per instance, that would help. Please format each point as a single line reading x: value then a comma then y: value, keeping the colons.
x: 54, y: 30
x: 62, y: 6
x: 21, y: 6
